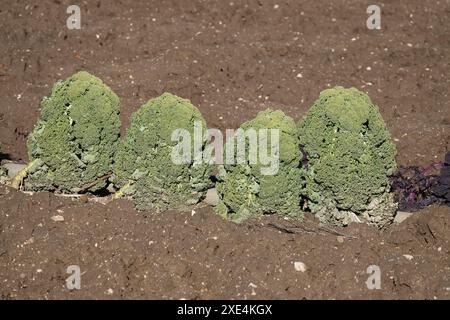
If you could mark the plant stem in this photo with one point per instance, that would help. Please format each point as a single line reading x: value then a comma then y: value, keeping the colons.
x: 121, y: 191
x: 16, y: 182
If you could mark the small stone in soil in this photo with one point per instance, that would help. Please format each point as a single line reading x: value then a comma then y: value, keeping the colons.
x: 402, y: 216
x: 299, y: 266
x: 14, y: 168
x: 211, y: 197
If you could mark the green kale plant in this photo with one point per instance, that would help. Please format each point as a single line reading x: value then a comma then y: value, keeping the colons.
x: 144, y: 158
x: 73, y: 144
x: 244, y: 189
x: 350, y: 158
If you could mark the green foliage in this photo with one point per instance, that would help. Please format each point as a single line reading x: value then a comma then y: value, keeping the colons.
x: 245, y: 192
x: 350, y: 159
x: 76, y: 136
x: 144, y: 156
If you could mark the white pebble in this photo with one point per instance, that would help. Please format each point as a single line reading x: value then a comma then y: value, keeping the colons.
x: 402, y: 216
x: 57, y: 218
x: 299, y: 266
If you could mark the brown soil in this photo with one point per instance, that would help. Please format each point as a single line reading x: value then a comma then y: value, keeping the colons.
x: 231, y: 61
x: 201, y: 256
